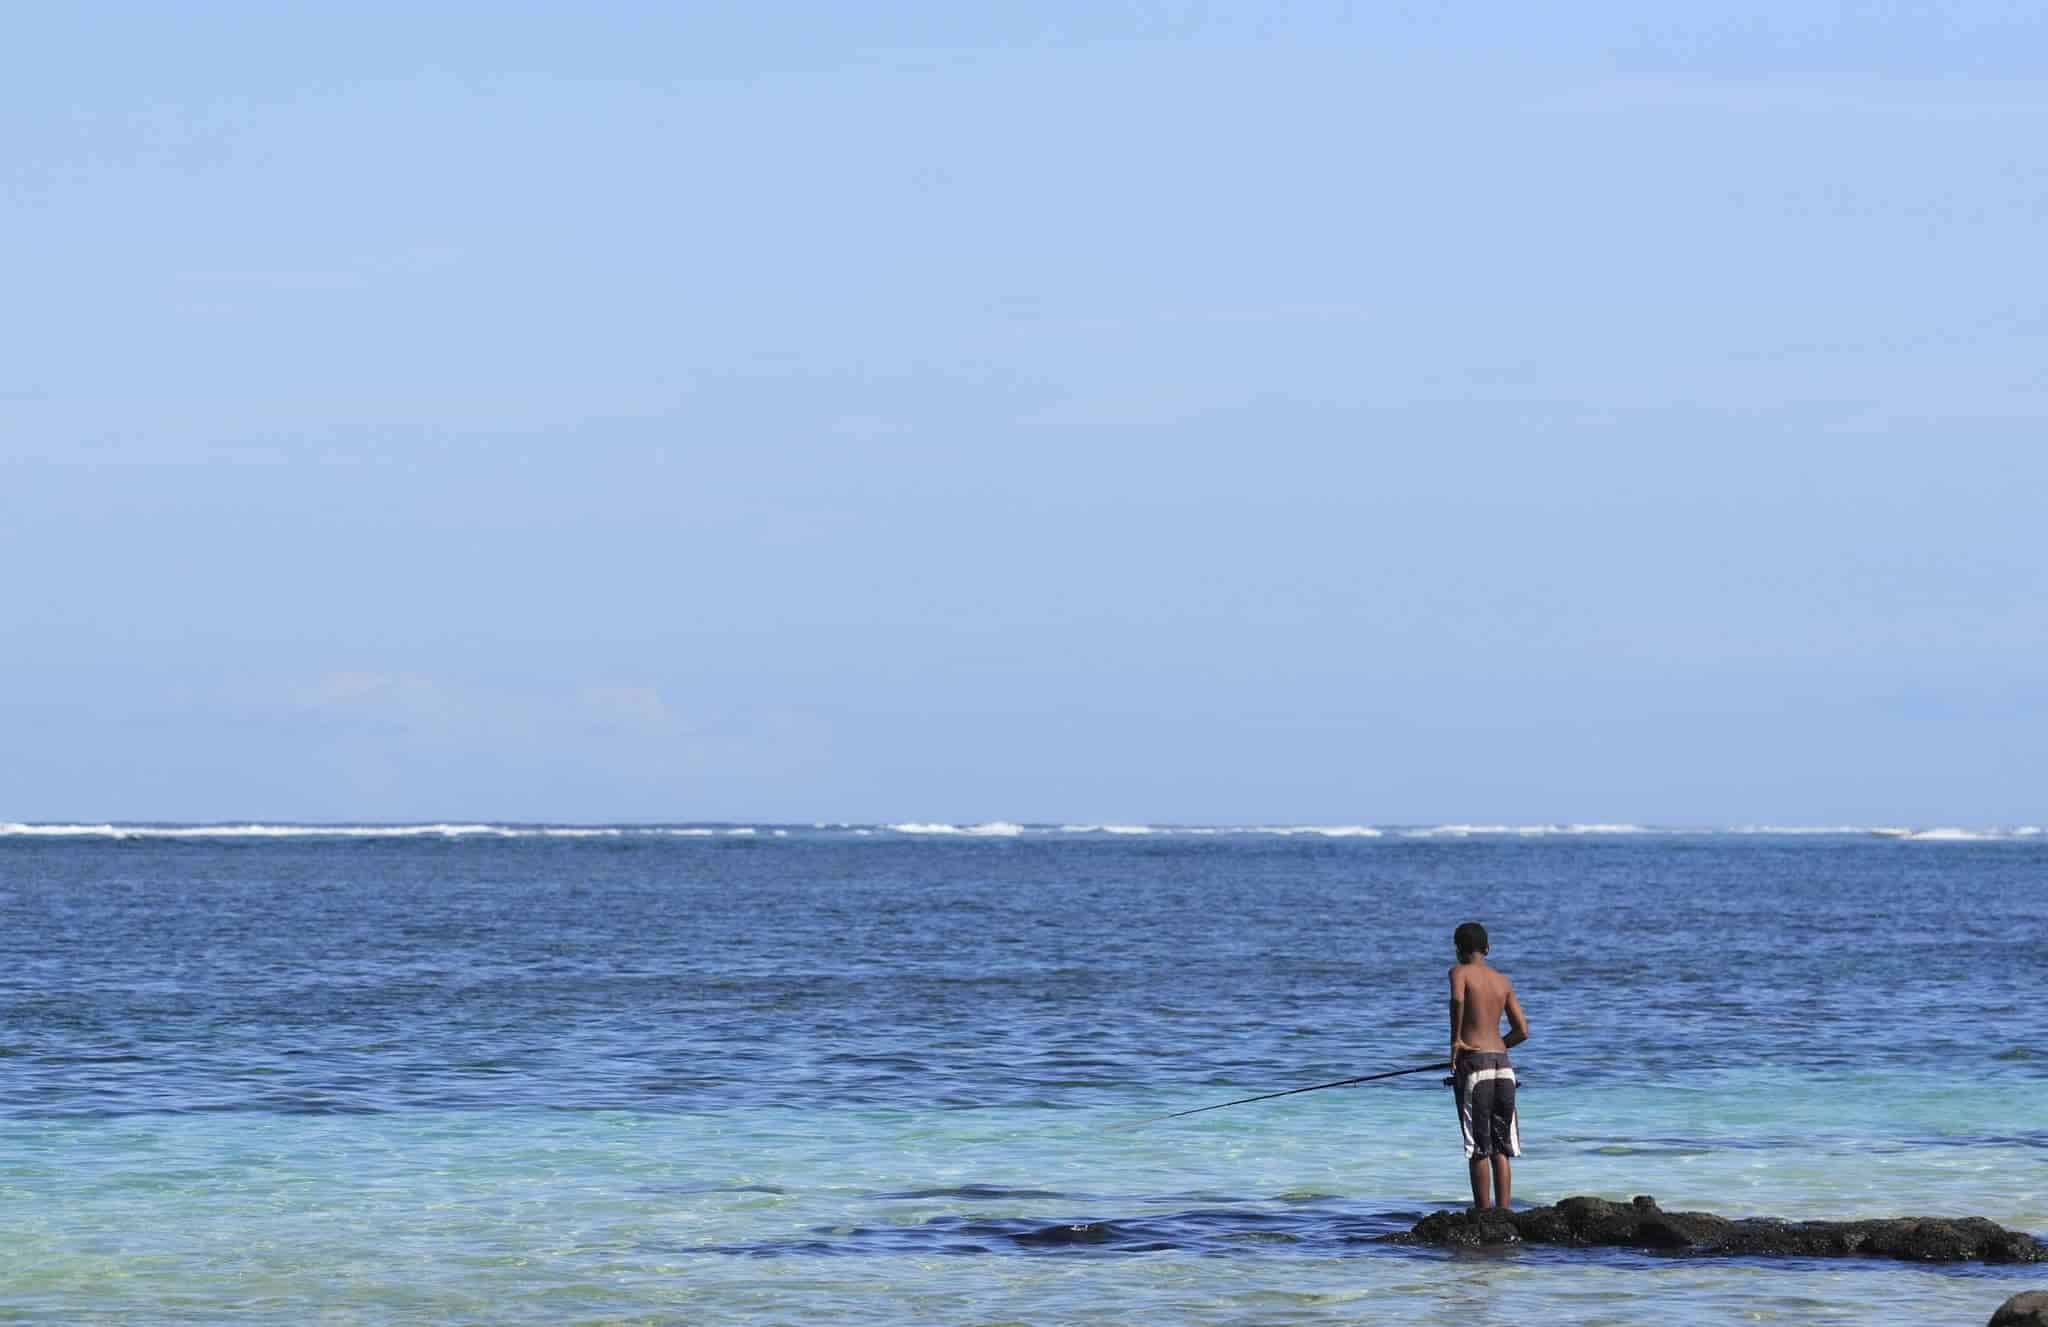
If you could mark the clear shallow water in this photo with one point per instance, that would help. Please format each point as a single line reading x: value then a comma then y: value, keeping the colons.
x: 835, y: 1075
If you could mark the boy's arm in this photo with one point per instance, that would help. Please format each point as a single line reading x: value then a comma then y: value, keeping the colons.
x: 1518, y: 1026
x: 1457, y: 1015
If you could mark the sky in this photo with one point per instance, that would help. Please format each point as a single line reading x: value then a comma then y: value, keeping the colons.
x: 1347, y: 413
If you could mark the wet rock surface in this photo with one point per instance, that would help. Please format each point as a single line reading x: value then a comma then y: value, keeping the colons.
x: 1641, y: 1224
x: 2028, y: 1309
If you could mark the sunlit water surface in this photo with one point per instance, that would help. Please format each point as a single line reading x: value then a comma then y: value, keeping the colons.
x: 834, y: 1075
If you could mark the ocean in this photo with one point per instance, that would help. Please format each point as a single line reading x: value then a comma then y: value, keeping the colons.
x: 872, y: 1074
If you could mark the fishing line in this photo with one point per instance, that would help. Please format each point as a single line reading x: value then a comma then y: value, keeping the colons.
x: 1268, y: 1096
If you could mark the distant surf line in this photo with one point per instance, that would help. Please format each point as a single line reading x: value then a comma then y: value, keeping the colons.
x: 911, y: 830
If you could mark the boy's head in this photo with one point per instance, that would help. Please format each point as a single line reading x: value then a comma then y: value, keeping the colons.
x: 1470, y: 939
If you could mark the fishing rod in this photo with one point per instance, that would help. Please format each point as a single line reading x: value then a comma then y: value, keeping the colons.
x: 1268, y: 1096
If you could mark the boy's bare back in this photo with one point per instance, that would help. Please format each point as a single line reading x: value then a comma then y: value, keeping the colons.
x: 1479, y: 996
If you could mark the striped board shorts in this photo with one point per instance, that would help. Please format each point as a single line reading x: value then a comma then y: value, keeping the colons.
x: 1485, y: 1089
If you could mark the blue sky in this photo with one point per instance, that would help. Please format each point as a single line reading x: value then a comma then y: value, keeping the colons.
x: 1374, y: 413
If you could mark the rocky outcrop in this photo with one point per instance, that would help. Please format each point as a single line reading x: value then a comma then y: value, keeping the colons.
x: 2029, y: 1309
x: 1597, y: 1223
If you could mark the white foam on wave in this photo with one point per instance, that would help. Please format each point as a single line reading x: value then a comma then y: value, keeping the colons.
x: 1320, y: 831
x: 1466, y: 831
x: 989, y: 829
x: 1523, y: 831
x: 1800, y: 829
x: 55, y: 831
x: 282, y: 831
x: 1209, y: 831
x: 447, y: 831
x: 1956, y: 834
x: 994, y: 829
x: 1938, y: 834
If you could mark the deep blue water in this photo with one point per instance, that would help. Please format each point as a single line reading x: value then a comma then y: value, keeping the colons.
x: 836, y: 1029
x: 821, y: 969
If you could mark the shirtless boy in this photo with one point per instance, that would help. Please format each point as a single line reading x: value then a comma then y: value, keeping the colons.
x: 1480, y: 1073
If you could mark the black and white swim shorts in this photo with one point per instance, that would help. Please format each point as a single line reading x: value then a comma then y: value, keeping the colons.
x: 1485, y: 1088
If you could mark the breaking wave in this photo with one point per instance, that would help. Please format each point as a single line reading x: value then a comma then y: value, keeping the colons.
x: 1204, y: 831
x: 1322, y: 831
x: 446, y: 831
x: 1809, y: 829
x: 994, y: 829
x: 1526, y: 831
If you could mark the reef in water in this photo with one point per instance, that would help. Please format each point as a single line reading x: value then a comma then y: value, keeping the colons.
x: 1641, y: 1224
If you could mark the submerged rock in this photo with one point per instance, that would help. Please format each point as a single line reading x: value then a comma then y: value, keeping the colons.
x: 2027, y: 1309
x: 1085, y: 1232
x: 1597, y: 1223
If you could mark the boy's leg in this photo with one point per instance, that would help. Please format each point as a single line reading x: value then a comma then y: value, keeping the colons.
x: 1478, y: 1167
x: 1506, y: 1132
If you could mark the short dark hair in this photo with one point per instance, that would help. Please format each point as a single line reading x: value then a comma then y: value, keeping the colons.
x: 1470, y: 939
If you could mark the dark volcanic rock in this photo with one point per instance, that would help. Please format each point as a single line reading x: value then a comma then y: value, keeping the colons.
x: 2028, y: 1309
x: 1597, y: 1223
x: 1462, y: 1230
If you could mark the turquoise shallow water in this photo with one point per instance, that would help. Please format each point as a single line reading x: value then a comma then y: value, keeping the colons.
x: 545, y: 1216
x: 829, y: 1078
